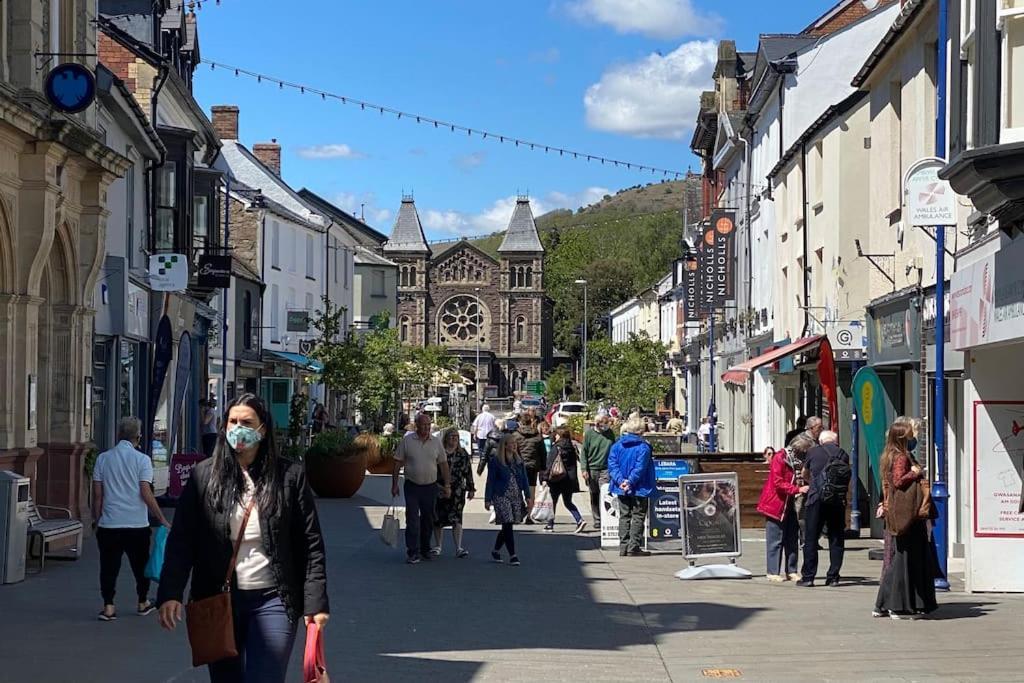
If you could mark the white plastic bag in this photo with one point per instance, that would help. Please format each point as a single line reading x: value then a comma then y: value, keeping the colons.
x: 390, y: 527
x: 543, y: 507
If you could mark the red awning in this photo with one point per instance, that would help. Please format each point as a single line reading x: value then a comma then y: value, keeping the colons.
x: 739, y: 374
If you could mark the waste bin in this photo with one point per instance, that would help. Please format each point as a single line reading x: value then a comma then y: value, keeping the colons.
x: 14, y: 492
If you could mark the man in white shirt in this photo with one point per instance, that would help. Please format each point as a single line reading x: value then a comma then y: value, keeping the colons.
x: 422, y: 455
x: 122, y: 485
x: 482, y: 427
x: 704, y: 432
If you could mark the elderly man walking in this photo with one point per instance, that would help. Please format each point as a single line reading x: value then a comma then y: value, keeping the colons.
x: 596, y: 444
x: 482, y: 427
x: 422, y: 456
x: 122, y: 498
x: 631, y: 478
x: 827, y: 473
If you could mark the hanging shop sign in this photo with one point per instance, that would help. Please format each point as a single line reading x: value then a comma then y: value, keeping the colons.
x: 848, y: 340
x: 298, y: 321
x: 710, y: 515
x: 998, y: 449
x: 214, y: 271
x: 168, y: 272
x: 70, y: 87
x: 691, y: 289
x: 988, y: 299
x: 894, y: 332
x: 930, y: 200
x: 721, y: 237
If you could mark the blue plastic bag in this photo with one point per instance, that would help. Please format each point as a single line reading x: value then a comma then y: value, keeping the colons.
x: 156, y: 557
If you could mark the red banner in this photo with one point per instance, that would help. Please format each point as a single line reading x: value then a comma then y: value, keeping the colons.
x: 827, y: 377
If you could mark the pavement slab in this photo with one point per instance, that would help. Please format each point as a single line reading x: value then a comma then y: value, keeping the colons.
x: 572, y: 612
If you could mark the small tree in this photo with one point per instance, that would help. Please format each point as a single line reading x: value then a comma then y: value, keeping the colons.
x: 629, y: 373
x: 559, y: 384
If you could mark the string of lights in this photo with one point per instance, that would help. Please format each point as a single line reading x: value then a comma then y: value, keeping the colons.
x: 451, y: 127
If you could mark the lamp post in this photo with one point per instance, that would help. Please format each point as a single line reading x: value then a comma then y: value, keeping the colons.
x: 476, y: 377
x: 584, y: 371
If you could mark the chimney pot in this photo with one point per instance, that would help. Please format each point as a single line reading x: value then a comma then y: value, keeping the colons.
x: 225, y: 121
x: 270, y: 154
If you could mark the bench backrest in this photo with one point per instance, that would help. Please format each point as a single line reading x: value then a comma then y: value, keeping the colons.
x: 34, y: 518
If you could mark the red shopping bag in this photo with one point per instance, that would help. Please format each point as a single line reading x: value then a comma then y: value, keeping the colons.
x: 314, y: 666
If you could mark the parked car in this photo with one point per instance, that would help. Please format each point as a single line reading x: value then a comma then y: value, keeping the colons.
x: 532, y: 402
x: 561, y: 412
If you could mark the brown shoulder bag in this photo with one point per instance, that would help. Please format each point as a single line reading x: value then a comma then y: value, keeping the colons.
x: 211, y: 626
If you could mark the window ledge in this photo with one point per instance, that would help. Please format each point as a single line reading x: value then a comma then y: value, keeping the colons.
x: 277, y: 268
x: 311, y: 278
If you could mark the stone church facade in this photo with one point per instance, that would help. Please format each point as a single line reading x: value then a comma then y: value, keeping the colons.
x: 460, y: 297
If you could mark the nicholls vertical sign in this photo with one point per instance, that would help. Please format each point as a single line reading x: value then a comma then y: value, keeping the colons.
x: 719, y: 239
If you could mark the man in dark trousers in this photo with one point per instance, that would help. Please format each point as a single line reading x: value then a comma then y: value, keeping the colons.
x: 596, y: 444
x: 822, y: 513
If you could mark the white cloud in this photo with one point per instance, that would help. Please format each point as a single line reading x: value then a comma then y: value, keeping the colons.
x: 655, y: 18
x: 494, y: 218
x: 365, y: 203
x: 467, y: 162
x: 657, y: 96
x: 336, y: 151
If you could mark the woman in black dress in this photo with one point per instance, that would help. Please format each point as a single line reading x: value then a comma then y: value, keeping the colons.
x: 907, y: 588
x: 448, y: 512
x: 568, y: 484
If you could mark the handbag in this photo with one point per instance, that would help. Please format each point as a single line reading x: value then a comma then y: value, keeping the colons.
x: 927, y: 509
x: 903, y: 508
x: 390, y: 527
x: 155, y: 564
x: 557, y: 470
x: 314, y: 664
x: 210, y: 624
x: 543, y: 506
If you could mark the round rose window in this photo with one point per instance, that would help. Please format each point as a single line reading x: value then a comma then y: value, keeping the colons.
x: 463, y: 319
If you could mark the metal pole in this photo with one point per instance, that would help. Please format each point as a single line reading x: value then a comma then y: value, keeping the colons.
x: 224, y: 299
x: 477, y: 376
x: 855, y: 479
x: 940, y: 492
x: 712, y: 417
x: 584, y: 342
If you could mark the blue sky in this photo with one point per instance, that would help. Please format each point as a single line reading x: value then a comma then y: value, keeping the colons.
x: 617, y: 78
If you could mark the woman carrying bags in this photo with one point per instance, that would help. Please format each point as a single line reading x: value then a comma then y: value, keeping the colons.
x: 907, y: 587
x: 508, y: 492
x: 249, y: 516
x: 782, y: 529
x: 562, y: 477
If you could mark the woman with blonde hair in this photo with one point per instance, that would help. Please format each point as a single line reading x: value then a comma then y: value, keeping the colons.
x: 907, y: 586
x: 448, y: 511
x: 508, y: 492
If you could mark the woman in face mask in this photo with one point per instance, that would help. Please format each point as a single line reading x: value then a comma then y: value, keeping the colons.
x: 248, y: 515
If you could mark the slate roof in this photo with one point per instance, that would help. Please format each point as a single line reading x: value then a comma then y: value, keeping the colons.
x: 521, y: 235
x: 244, y: 167
x: 407, y: 235
x: 908, y: 13
x: 364, y: 256
x: 362, y: 231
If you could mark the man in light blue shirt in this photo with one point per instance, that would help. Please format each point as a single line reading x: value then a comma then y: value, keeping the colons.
x: 122, y: 485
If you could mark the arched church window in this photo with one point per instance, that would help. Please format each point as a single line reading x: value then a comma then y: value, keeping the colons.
x: 529, y: 276
x: 403, y: 328
x: 520, y: 330
x: 412, y: 276
x: 463, y: 319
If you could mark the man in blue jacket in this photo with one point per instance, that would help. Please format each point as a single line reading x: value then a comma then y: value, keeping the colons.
x: 631, y: 478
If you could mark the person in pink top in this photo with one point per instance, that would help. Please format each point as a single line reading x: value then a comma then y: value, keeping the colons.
x: 782, y: 530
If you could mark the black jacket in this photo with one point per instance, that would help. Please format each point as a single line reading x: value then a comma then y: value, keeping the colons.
x: 490, y: 448
x: 200, y: 544
x: 571, y: 459
x: 530, y: 444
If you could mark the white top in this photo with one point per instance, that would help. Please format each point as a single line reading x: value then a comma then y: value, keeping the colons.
x: 122, y: 469
x: 252, y: 569
x: 483, y: 425
x: 420, y: 458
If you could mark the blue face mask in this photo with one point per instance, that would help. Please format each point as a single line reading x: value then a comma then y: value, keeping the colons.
x: 911, y: 443
x: 241, y: 436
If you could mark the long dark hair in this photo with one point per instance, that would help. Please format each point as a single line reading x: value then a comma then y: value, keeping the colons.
x: 227, y: 483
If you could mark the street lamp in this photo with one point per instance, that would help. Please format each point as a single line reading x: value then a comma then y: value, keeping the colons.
x: 584, y: 372
x: 476, y: 377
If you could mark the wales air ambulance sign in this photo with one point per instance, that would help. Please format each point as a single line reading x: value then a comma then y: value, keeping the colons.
x: 930, y: 200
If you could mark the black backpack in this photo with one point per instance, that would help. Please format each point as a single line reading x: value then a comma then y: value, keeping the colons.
x: 835, y: 481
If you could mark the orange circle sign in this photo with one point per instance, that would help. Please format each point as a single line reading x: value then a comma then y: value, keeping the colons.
x: 724, y: 225
x: 709, y: 238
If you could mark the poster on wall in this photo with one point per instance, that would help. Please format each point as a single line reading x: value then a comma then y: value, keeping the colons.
x: 998, y: 465
x: 710, y: 515
x: 609, y: 519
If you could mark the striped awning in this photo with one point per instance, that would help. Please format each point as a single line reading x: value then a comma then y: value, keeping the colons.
x: 739, y: 374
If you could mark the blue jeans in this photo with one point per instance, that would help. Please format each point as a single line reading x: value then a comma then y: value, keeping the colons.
x: 420, y: 500
x: 264, y: 637
x: 782, y: 537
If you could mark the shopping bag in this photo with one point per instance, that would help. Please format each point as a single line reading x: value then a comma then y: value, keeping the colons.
x: 493, y: 519
x: 314, y: 665
x: 557, y: 471
x: 390, y: 527
x: 543, y: 507
x: 156, y: 557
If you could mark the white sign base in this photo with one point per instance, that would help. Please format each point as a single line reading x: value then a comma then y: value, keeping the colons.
x: 713, y: 571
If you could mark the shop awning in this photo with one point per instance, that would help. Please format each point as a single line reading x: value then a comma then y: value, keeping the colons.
x: 739, y: 374
x: 297, y: 359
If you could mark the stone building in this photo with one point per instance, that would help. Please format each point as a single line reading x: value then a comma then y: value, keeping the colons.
x: 458, y: 296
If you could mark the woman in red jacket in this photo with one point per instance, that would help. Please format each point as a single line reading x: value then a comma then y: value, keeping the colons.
x: 782, y: 530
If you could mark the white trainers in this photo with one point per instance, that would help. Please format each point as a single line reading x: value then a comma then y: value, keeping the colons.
x: 581, y: 526
x: 776, y: 578
x: 795, y: 577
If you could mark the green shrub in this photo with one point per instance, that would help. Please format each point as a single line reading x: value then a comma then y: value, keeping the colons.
x: 332, y: 443
x: 89, y: 463
x: 388, y: 443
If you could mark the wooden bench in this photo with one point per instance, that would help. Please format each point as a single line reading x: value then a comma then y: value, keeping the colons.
x: 51, y: 528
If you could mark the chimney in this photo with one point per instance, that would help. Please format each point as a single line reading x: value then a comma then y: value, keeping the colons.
x: 270, y: 154
x: 225, y: 121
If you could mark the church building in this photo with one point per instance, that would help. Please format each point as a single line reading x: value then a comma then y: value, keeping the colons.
x: 458, y: 296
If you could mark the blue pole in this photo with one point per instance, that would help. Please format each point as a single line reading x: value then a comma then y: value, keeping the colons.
x: 940, y: 491
x: 855, y: 479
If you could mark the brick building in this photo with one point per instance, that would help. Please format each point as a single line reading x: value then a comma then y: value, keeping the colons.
x: 460, y: 297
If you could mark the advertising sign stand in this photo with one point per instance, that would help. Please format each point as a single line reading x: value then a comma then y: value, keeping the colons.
x: 710, y: 520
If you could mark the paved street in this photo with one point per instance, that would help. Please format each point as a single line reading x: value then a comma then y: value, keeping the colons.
x: 571, y: 612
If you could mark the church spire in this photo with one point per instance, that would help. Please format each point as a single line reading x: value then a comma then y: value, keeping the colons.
x: 407, y: 235
x: 521, y: 235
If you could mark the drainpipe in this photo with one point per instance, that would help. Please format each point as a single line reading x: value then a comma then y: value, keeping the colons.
x: 807, y: 261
